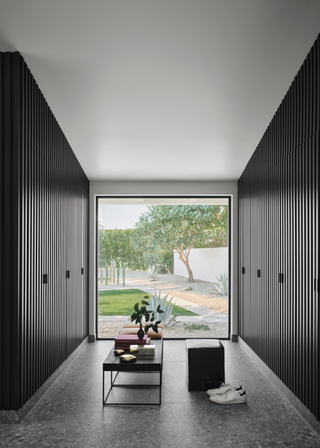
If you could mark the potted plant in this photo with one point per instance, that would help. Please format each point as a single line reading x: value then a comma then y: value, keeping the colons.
x: 142, y: 313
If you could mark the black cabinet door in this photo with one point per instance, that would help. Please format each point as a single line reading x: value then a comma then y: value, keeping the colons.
x: 287, y: 260
x: 56, y: 261
x: 273, y: 254
x: 245, y: 266
x: 315, y: 275
x: 259, y: 253
x: 264, y: 267
x: 305, y: 276
x: 74, y: 263
x: 255, y: 274
x: 78, y: 268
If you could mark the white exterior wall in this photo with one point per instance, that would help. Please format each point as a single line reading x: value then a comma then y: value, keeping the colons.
x: 205, y: 263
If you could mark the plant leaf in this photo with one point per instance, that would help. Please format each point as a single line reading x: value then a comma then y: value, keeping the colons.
x: 155, y: 328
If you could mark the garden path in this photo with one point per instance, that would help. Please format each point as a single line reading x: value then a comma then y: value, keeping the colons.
x: 175, y: 286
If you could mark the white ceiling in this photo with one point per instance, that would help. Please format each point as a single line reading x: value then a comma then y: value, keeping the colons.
x: 162, y: 89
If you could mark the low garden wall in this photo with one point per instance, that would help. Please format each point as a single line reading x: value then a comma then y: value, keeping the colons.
x: 205, y: 264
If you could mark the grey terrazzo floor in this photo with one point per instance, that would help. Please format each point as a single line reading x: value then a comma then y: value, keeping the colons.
x: 70, y: 414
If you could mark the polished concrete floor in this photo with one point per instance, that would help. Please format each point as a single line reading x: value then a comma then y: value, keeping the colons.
x: 70, y: 413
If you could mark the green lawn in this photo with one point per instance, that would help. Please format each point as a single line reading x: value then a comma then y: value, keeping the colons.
x: 121, y: 302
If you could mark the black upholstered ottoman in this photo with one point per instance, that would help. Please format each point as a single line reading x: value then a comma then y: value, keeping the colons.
x: 205, y: 358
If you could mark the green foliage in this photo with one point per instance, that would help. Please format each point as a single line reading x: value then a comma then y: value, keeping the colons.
x: 166, y: 261
x: 153, y: 272
x: 178, y: 228
x: 122, y: 247
x: 164, y: 229
x: 173, y: 226
x: 191, y: 326
x: 143, y: 312
x: 117, y: 245
x: 150, y: 258
x: 221, y: 286
x: 156, y: 256
x: 156, y: 302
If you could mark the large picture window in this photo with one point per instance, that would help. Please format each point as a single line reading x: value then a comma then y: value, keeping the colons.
x: 172, y: 251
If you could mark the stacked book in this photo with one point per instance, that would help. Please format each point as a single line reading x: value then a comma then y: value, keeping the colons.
x: 123, y: 341
x: 143, y: 351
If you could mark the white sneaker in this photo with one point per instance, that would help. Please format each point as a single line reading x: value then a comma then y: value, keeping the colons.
x: 230, y: 397
x: 223, y: 389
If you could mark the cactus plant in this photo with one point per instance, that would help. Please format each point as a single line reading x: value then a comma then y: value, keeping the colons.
x: 166, y: 306
x: 152, y: 272
x: 221, y: 286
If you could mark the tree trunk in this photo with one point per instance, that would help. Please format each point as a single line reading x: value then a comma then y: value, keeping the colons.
x: 190, y: 273
x: 184, y: 257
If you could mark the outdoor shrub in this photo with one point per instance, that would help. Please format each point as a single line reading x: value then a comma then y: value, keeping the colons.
x: 221, y: 286
x: 153, y: 272
x: 155, y: 301
x: 192, y: 326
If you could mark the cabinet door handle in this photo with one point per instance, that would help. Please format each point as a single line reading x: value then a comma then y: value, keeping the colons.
x: 243, y: 270
x: 281, y: 278
x: 45, y: 278
x: 259, y: 273
x: 67, y: 274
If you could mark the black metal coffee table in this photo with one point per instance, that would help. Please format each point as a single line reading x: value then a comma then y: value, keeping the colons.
x: 112, y: 364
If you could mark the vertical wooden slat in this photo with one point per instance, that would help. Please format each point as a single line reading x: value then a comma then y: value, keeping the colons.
x: 10, y: 225
x: 41, y: 184
x: 280, y: 321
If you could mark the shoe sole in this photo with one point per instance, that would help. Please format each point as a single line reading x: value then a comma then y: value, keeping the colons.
x: 229, y: 402
x: 215, y: 394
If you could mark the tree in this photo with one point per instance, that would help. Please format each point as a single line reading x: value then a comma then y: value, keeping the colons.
x: 117, y: 245
x: 179, y: 228
x: 162, y: 259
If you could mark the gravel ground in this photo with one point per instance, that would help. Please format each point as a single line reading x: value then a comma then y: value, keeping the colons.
x: 176, y: 285
x: 216, y: 330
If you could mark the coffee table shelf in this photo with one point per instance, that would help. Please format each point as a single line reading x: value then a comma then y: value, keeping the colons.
x: 113, y: 364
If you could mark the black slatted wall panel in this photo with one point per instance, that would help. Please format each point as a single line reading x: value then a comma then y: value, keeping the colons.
x: 279, y: 239
x: 44, y: 239
x: 9, y: 227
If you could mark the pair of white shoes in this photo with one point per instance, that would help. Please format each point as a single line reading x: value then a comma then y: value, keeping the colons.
x: 227, y: 394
